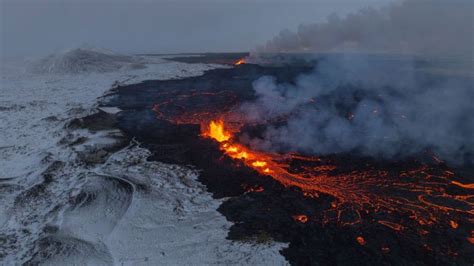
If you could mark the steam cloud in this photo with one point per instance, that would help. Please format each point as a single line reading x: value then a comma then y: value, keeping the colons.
x: 383, y: 106
x: 413, y: 26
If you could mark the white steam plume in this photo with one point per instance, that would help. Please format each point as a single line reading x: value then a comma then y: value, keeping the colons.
x: 382, y: 105
x: 373, y: 105
x: 413, y: 26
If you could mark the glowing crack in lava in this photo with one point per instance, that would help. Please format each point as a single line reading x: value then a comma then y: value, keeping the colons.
x: 427, y: 196
x: 300, y: 218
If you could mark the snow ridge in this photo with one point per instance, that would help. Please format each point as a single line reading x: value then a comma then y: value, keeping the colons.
x: 86, y: 60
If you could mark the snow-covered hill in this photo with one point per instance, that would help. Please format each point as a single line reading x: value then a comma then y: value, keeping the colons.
x: 56, y: 207
x: 86, y: 60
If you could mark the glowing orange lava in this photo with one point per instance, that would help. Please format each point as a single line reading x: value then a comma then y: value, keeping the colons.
x: 453, y: 224
x: 361, y: 241
x: 216, y: 131
x: 301, y: 218
x: 359, y: 191
x: 469, y: 186
x: 405, y: 197
x: 240, y: 62
x: 259, y: 164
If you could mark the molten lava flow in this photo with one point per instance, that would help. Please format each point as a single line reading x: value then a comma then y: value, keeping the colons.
x: 240, y: 62
x: 359, y: 192
x: 259, y: 164
x: 470, y: 186
x: 416, y: 198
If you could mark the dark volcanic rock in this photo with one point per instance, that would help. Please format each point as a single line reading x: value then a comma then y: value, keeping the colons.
x: 209, y: 58
x: 263, y: 208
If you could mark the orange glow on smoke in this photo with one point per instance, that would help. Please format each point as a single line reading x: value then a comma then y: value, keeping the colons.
x: 240, y: 62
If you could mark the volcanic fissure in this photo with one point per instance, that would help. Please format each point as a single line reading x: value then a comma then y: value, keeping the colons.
x: 334, y: 209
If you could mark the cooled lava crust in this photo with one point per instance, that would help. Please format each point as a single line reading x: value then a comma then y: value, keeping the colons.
x: 349, y: 226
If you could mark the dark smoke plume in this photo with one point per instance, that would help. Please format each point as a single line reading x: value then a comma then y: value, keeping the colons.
x: 388, y: 105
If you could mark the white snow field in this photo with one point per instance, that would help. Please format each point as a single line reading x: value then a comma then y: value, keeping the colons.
x: 57, y: 209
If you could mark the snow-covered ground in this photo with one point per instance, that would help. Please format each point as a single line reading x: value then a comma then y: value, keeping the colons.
x: 55, y: 208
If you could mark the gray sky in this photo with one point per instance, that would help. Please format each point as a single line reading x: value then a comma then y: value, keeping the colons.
x: 36, y: 27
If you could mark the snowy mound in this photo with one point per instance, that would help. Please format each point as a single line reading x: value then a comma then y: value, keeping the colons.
x: 83, y: 60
